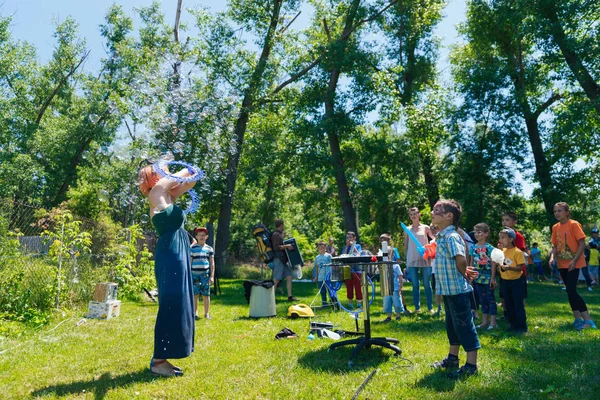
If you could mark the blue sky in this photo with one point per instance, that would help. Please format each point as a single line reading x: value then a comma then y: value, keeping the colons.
x: 34, y: 21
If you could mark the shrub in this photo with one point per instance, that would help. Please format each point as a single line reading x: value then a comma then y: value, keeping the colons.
x: 27, y: 291
x: 132, y: 269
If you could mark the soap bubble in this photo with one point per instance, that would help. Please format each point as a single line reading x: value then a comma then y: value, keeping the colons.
x: 94, y: 118
x: 144, y: 218
x: 103, y: 195
x: 178, y: 147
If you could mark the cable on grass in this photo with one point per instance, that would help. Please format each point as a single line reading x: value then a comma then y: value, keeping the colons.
x: 39, y: 338
x: 360, y: 388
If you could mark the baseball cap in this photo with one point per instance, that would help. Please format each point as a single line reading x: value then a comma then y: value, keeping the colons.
x: 201, y: 229
x: 594, y: 230
x: 510, y: 232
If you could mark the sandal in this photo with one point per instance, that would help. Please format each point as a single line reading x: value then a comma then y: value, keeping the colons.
x: 175, y: 371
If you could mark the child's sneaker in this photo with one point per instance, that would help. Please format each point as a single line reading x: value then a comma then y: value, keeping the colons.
x: 388, y: 319
x: 445, y: 363
x: 207, y: 316
x: 463, y: 372
x: 578, y: 323
x: 590, y: 289
x: 491, y: 327
x: 589, y: 324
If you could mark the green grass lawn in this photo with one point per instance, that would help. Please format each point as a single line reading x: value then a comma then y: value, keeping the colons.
x: 238, y: 358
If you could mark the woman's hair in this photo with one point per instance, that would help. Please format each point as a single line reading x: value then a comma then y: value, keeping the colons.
x: 414, y: 209
x: 147, y: 178
x: 564, y: 205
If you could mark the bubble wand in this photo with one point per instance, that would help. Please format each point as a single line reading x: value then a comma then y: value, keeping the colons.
x: 427, y: 251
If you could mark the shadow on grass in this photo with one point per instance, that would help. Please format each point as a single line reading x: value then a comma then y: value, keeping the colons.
x: 338, y: 360
x: 99, y: 387
x: 437, y: 381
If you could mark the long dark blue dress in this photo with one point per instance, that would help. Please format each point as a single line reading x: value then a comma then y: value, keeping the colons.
x: 174, y: 329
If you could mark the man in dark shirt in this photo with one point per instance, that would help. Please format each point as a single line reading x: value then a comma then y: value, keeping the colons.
x: 281, y: 269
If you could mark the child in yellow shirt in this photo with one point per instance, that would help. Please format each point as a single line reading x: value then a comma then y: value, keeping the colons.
x: 514, y: 290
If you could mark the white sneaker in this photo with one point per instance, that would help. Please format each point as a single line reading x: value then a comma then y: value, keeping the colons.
x: 590, y: 289
x: 564, y: 288
x: 491, y: 327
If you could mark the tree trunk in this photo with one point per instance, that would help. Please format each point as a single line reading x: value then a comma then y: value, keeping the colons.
x: 233, y: 161
x: 331, y: 126
x: 585, y: 79
x: 72, y: 172
x: 408, y: 76
x: 431, y: 184
x: 268, y: 216
x: 210, y: 226
x: 542, y: 169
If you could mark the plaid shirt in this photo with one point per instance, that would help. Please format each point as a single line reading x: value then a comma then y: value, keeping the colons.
x: 448, y: 279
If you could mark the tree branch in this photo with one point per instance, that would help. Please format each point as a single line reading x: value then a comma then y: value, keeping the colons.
x: 327, y: 30
x: 177, y: 18
x: 371, y: 18
x: 131, y: 135
x: 297, y: 76
x: 282, y: 30
x: 344, y: 36
x: 58, y: 87
x: 555, y: 97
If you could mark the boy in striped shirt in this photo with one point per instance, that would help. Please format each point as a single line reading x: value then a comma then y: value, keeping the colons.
x: 203, y: 270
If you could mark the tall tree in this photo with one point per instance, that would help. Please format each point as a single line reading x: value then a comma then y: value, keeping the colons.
x: 249, y: 14
x: 499, y: 71
x: 407, y: 72
x: 336, y: 28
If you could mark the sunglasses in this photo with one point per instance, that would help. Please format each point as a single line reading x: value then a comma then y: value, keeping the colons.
x: 438, y: 211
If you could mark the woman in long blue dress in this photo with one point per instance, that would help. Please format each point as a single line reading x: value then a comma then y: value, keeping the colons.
x: 174, y: 329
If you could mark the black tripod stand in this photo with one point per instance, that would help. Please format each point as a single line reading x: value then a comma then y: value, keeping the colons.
x: 367, y: 341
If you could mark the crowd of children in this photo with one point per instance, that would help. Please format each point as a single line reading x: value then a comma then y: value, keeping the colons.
x: 465, y: 274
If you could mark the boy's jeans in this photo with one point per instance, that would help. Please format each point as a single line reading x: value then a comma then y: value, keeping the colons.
x: 459, y: 322
x: 395, y: 299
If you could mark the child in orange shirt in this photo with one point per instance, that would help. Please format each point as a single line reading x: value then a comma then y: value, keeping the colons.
x: 568, y: 244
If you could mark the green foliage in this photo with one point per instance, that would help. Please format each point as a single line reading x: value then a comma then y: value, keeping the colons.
x: 480, y: 179
x: 132, y: 269
x: 349, y: 109
x: 307, y: 248
x: 9, y: 241
x: 27, y: 290
x: 66, y: 240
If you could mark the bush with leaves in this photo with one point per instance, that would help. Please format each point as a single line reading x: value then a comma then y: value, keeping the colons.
x: 132, y: 269
x: 67, y: 245
x: 27, y: 290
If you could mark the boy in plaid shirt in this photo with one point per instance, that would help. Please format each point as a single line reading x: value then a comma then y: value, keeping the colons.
x: 452, y: 279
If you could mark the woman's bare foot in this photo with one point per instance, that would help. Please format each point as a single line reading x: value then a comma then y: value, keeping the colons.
x: 174, y: 367
x: 161, y: 367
